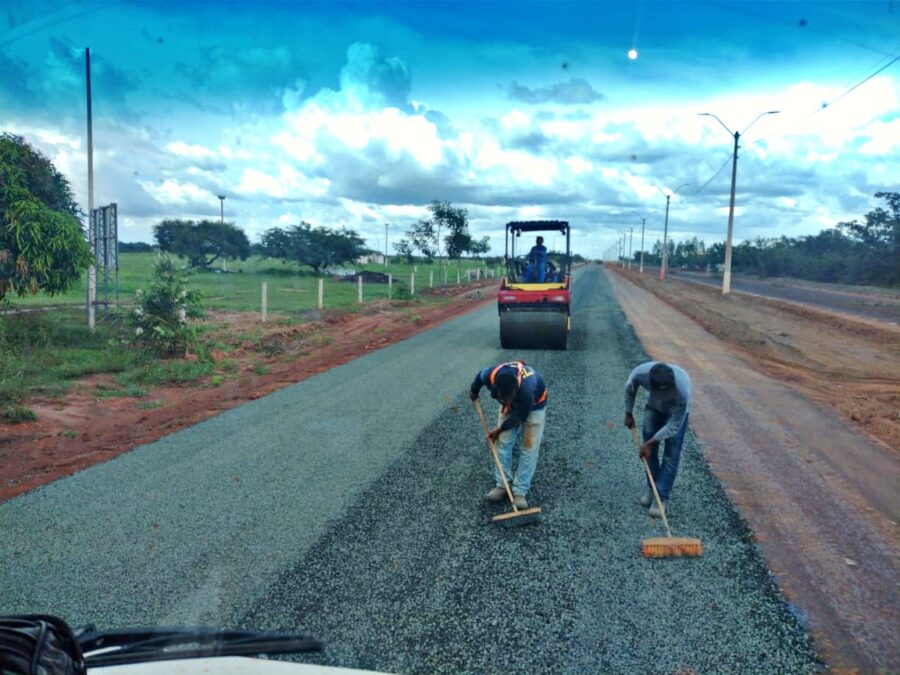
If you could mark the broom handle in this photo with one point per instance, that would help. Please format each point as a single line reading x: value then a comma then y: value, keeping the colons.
x: 494, y: 454
x: 659, y: 504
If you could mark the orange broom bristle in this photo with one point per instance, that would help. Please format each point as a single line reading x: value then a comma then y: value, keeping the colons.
x: 672, y: 547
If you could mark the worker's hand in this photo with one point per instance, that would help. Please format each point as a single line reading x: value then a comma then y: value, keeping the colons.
x: 494, y: 434
x: 473, y: 395
x: 644, y: 452
x: 629, y: 420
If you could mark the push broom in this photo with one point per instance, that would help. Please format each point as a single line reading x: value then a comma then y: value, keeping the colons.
x: 517, y: 516
x: 669, y: 546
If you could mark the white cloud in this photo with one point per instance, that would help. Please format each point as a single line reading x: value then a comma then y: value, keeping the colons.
x: 171, y: 191
x: 183, y: 149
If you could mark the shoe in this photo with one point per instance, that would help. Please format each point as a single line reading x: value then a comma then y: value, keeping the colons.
x: 497, y: 494
x: 520, y: 501
x: 654, y: 509
x: 647, y: 498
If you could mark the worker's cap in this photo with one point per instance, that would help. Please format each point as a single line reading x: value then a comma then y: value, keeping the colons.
x: 662, y: 379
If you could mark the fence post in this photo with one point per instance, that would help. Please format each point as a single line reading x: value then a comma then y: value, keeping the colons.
x: 457, y: 276
x: 265, y: 300
x: 321, y: 293
x: 359, y: 287
x: 412, y: 283
x: 390, y: 284
x: 445, y: 276
x: 430, y: 278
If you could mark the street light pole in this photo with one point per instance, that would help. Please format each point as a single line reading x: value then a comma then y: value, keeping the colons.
x: 664, y: 258
x: 643, y: 223
x: 222, y: 208
x: 630, y: 242
x: 726, y: 276
x: 385, y: 244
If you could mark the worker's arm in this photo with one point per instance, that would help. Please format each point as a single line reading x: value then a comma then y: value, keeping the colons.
x: 640, y: 376
x: 478, y: 383
x: 521, y: 409
x: 676, y: 417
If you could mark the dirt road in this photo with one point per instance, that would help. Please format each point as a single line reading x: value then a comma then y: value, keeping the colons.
x: 821, y: 498
x: 882, y: 307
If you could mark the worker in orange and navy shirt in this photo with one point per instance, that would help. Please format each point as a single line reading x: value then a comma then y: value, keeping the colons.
x: 522, y: 394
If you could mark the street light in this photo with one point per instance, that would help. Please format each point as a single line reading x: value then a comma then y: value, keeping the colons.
x: 726, y: 277
x: 664, y: 261
x: 222, y: 208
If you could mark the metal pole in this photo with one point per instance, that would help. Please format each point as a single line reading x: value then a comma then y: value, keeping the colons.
x: 665, y: 252
x: 726, y: 278
x: 222, y: 209
x: 630, y: 242
x: 385, y: 244
x: 92, y: 270
x: 643, y: 223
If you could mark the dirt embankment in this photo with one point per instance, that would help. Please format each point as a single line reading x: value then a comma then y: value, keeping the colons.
x: 79, y: 430
x: 851, y: 366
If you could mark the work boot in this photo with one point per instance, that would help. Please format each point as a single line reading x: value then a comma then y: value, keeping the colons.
x: 520, y: 501
x: 647, y: 497
x: 654, y: 509
x: 497, y: 494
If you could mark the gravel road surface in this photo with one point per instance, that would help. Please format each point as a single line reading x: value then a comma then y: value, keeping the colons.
x: 868, y: 305
x: 349, y: 506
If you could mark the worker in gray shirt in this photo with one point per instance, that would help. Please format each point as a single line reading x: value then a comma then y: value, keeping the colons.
x: 665, y: 419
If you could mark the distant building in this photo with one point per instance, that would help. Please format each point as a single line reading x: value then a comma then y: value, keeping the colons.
x: 370, y: 259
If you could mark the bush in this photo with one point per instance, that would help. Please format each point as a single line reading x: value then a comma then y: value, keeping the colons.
x: 160, y: 316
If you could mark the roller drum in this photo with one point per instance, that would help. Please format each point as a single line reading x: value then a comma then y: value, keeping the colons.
x: 534, y: 330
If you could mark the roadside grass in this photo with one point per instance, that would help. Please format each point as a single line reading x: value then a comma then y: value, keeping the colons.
x: 289, y: 288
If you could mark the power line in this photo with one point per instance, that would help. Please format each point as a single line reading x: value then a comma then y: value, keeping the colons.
x: 711, y: 179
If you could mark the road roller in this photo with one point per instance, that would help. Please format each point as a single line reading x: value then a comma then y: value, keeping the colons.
x: 533, y: 299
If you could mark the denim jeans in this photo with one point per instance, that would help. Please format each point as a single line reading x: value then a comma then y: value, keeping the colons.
x: 532, y: 432
x: 663, y: 474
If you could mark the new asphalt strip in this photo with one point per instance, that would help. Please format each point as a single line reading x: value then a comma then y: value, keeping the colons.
x: 350, y: 507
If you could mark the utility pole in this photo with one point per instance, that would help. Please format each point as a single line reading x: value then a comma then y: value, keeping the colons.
x: 630, y: 242
x: 664, y: 258
x: 92, y: 270
x: 222, y: 208
x: 385, y: 244
x: 726, y: 277
x: 643, y: 224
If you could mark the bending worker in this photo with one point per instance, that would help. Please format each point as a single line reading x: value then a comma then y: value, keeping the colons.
x: 522, y: 394
x: 665, y: 419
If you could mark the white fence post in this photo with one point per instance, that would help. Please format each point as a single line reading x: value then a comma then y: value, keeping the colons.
x: 430, y: 278
x: 412, y: 283
x: 390, y: 284
x: 457, y: 276
x: 265, y: 300
x: 321, y: 293
x: 359, y: 287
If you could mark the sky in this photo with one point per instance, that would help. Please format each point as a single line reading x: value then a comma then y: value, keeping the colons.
x: 359, y: 114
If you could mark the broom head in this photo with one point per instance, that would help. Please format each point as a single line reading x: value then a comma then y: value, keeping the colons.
x: 520, y: 517
x: 672, y: 547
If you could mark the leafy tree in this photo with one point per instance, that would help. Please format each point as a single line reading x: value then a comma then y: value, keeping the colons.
x: 203, y: 242
x: 316, y: 247
x: 42, y: 243
x: 135, y: 247
x: 480, y: 247
x: 423, y: 237
x: 404, y: 248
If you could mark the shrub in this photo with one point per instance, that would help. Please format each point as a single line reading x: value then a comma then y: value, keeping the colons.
x: 160, y: 316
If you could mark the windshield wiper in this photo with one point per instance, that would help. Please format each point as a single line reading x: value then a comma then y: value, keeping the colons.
x: 140, y: 645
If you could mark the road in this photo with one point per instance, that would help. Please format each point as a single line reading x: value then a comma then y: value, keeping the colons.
x: 868, y: 305
x: 349, y: 506
x: 820, y: 497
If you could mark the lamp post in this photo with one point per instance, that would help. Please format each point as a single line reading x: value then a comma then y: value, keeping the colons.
x: 643, y: 223
x: 222, y: 208
x: 726, y: 277
x: 630, y: 242
x: 664, y: 261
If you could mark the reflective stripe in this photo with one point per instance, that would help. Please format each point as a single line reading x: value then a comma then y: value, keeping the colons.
x: 542, y: 398
x: 520, y: 369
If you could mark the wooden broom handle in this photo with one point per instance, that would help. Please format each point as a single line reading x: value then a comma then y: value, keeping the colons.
x: 659, y: 504
x: 494, y: 453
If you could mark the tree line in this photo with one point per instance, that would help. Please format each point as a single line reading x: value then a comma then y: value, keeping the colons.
x: 852, y: 252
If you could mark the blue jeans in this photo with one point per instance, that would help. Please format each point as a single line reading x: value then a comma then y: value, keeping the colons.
x: 663, y: 474
x: 532, y: 433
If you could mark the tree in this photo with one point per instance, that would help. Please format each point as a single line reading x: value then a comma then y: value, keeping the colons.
x: 202, y: 243
x: 42, y: 243
x: 456, y: 220
x: 481, y: 246
x: 316, y: 247
x: 404, y: 248
x: 423, y: 237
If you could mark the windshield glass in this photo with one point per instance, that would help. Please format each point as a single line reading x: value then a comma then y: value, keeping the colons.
x: 252, y: 268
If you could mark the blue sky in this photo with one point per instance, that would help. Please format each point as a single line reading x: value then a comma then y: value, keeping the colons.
x: 361, y: 113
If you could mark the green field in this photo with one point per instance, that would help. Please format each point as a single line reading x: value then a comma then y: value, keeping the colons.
x: 290, y: 289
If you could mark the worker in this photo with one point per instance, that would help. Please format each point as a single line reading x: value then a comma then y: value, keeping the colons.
x: 665, y: 419
x: 537, y: 262
x: 522, y: 394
